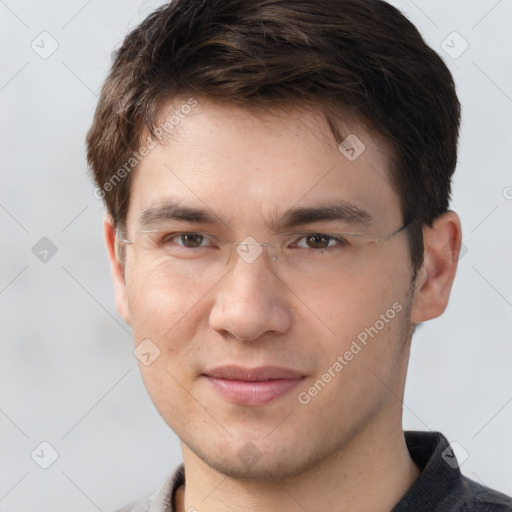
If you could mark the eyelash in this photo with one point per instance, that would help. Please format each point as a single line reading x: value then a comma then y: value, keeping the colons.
x: 341, y: 242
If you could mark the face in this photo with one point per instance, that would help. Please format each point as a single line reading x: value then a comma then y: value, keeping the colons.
x: 266, y: 367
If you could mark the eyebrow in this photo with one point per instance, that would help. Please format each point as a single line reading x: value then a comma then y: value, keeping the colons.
x: 174, y: 211
x: 340, y: 211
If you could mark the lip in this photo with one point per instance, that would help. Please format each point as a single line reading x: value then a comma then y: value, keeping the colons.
x: 253, y: 386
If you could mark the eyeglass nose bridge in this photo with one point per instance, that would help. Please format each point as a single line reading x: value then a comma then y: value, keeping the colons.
x: 250, y: 249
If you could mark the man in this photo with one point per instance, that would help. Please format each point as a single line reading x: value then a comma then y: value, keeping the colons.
x: 277, y: 178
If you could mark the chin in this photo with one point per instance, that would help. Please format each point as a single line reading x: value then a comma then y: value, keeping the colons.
x: 259, y: 461
x: 268, y: 468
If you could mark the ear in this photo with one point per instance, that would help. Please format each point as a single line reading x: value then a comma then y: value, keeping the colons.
x: 434, y: 281
x: 118, y: 277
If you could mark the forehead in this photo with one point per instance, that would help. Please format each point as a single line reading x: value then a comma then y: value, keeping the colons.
x: 246, y: 165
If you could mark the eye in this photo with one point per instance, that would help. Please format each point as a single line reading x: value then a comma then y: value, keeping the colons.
x: 188, y: 240
x: 320, y: 241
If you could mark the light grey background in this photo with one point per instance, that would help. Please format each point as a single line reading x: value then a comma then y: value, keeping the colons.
x: 68, y: 375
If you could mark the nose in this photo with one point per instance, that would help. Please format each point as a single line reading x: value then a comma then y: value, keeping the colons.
x: 251, y: 300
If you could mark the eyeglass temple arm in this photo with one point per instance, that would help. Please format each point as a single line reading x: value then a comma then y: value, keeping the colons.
x: 406, y: 225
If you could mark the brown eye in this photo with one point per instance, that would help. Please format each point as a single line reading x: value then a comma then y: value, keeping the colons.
x: 318, y: 241
x: 188, y: 240
x: 321, y: 242
x: 185, y: 244
x: 191, y: 239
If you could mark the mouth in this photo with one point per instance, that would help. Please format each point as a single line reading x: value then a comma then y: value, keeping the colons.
x: 252, y: 386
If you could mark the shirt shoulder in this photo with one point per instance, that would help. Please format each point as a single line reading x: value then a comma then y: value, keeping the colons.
x: 136, y: 506
x: 441, y: 487
x: 483, y: 499
x: 163, y: 499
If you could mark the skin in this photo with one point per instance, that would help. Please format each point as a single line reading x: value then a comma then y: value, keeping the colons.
x: 345, y: 449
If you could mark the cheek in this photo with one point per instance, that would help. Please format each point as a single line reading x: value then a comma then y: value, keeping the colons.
x: 347, y: 306
x: 163, y: 310
x: 359, y: 367
x: 169, y: 316
x: 385, y: 280
x: 368, y: 315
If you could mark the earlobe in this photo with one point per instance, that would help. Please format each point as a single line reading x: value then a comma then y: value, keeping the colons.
x: 434, y: 282
x: 118, y: 274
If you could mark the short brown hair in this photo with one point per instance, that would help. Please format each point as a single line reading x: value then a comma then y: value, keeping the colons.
x: 357, y: 57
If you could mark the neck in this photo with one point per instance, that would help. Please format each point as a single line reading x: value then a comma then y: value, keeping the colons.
x: 371, y: 473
